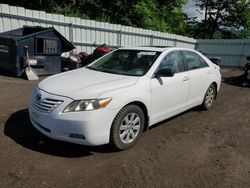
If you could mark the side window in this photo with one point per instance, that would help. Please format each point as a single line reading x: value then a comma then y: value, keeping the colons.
x: 173, y: 61
x: 192, y: 60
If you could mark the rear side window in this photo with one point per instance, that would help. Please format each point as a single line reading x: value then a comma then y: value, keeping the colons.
x: 173, y: 61
x: 203, y: 62
x: 193, y: 60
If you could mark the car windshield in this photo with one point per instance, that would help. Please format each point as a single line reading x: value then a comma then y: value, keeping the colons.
x: 126, y: 62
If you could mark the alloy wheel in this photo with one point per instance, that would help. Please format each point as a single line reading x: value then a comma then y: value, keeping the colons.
x: 209, y: 97
x: 130, y: 128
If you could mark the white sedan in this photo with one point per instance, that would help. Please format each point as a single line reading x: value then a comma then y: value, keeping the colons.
x: 117, y: 97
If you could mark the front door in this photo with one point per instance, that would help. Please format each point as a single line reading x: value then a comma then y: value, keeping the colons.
x: 169, y: 94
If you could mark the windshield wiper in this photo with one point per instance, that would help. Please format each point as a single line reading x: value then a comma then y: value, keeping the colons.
x: 101, y: 70
x: 108, y: 71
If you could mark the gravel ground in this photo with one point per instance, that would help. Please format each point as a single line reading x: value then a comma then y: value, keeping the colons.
x: 194, y: 149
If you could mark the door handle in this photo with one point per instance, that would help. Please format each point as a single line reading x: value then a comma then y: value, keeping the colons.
x: 185, y: 78
x: 209, y: 72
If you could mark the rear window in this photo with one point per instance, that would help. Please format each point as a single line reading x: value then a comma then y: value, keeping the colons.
x: 193, y: 60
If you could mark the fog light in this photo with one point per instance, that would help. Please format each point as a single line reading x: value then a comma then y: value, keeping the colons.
x: 78, y: 136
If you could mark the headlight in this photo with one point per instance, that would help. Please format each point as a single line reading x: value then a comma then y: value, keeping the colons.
x: 86, y: 105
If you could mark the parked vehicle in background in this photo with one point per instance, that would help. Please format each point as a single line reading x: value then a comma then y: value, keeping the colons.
x: 75, y: 61
x: 247, y: 69
x: 215, y: 60
x: 98, y: 52
x: 117, y: 97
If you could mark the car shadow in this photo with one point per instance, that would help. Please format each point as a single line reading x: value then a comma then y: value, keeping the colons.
x: 239, y: 81
x: 181, y: 115
x: 19, y: 128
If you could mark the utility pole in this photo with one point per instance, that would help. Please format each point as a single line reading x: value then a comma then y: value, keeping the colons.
x: 206, y: 7
x: 205, y: 27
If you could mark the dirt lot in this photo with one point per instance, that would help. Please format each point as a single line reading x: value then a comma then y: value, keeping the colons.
x: 194, y: 149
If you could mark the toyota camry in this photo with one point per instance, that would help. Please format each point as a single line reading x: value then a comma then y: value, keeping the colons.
x: 120, y: 95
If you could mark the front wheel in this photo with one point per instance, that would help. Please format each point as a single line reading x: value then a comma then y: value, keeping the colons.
x: 209, y: 97
x: 127, y: 127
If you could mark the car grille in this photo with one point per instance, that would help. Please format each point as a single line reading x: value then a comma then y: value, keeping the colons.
x: 46, y: 105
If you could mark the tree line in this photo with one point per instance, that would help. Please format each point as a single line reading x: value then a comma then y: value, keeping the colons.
x: 223, y: 18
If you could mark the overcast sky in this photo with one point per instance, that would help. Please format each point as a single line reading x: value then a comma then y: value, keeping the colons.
x: 190, y: 10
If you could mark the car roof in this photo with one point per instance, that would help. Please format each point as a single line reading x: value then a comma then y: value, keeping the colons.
x: 153, y: 48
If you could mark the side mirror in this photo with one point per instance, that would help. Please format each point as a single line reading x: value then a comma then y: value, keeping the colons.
x: 164, y: 73
x: 248, y: 58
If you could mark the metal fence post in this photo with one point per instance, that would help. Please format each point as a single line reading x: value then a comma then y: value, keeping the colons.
x: 175, y: 42
x: 242, y: 59
x: 71, y: 32
x: 71, y: 36
x: 151, y: 40
x: 119, y: 38
x: 196, y: 45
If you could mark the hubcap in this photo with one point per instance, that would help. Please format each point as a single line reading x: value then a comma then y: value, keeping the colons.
x: 130, y: 128
x: 209, y: 97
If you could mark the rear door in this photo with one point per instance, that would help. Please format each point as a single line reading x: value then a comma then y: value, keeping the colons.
x: 199, y: 76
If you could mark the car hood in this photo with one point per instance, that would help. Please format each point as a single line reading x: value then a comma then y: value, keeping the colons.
x: 84, y: 83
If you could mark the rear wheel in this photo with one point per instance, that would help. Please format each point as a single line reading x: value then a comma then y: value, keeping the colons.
x: 209, y: 97
x: 127, y: 127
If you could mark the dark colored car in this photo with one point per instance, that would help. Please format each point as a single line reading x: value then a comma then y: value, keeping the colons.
x: 247, y: 69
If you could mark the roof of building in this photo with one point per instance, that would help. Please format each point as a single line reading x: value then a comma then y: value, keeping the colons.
x: 27, y: 31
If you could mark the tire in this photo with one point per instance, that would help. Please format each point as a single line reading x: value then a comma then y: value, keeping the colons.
x: 124, y: 134
x: 209, y: 97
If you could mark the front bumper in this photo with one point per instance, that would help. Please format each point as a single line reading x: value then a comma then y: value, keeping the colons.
x: 86, y: 128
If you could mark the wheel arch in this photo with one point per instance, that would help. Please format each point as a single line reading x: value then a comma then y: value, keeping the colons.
x: 216, y: 88
x: 144, y: 108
